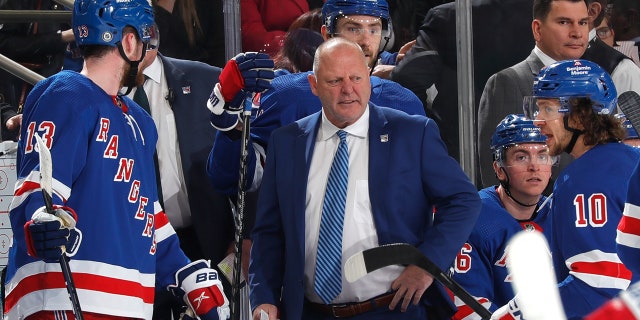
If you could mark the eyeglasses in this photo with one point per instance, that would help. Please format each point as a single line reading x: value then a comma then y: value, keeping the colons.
x: 603, y: 32
x: 356, y: 32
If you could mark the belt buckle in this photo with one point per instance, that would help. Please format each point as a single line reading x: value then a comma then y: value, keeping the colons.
x: 336, y: 306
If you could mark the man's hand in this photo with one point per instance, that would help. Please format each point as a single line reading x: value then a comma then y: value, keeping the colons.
x: 383, y: 71
x: 269, y: 309
x: 410, y: 286
x: 13, y: 123
x: 49, y: 235
x: 404, y: 49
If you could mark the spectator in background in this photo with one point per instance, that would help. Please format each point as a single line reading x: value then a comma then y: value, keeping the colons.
x: 39, y: 46
x: 311, y: 20
x: 625, y: 20
x: 297, y: 53
x: 192, y: 30
x: 500, y: 29
x: 624, y: 72
x: 300, y: 43
x: 265, y: 23
x: 606, y: 33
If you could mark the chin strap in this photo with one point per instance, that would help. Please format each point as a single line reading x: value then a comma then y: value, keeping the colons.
x: 375, y: 61
x: 130, y: 81
x: 505, y: 185
x: 574, y: 137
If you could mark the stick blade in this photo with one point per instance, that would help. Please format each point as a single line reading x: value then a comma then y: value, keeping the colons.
x: 363, y: 262
x: 534, y: 281
x: 629, y: 103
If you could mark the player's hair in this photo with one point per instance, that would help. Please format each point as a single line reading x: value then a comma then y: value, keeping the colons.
x: 598, y: 128
x: 541, y: 8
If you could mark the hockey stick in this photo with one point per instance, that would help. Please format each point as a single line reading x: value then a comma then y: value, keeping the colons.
x: 361, y: 263
x: 534, y: 281
x: 236, y: 285
x: 46, y: 176
x: 629, y: 103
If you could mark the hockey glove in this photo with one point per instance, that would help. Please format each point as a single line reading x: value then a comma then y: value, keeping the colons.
x: 49, y: 235
x: 245, y: 73
x: 509, y: 311
x: 201, y: 290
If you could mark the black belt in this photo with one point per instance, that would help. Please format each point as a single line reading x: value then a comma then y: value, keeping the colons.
x: 345, y: 310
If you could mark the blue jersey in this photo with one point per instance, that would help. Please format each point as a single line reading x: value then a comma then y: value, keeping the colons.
x: 289, y: 99
x: 102, y: 155
x: 628, y: 237
x: 481, y: 264
x: 588, y: 200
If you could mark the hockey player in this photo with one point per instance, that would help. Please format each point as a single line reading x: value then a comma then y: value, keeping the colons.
x: 523, y: 166
x: 573, y: 103
x: 365, y: 22
x: 106, y: 211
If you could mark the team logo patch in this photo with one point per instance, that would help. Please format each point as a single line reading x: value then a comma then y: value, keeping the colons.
x: 107, y: 36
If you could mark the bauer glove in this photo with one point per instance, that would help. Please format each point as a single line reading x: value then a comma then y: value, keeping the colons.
x: 246, y: 73
x: 49, y: 235
x: 201, y: 290
x: 509, y: 311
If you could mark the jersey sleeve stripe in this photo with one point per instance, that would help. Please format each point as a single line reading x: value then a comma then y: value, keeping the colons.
x: 627, y: 239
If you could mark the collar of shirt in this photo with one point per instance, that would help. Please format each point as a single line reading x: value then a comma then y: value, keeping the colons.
x: 592, y: 34
x: 546, y: 60
x: 154, y: 70
x: 358, y: 128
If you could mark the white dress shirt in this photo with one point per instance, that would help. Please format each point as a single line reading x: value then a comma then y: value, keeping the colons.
x: 174, y: 190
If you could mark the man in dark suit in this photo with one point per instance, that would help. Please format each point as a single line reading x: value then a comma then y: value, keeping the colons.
x: 560, y: 29
x: 398, y: 173
x: 499, y: 40
x: 177, y: 91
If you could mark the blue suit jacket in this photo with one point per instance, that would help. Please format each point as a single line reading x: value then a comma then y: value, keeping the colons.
x: 408, y: 175
x: 191, y: 83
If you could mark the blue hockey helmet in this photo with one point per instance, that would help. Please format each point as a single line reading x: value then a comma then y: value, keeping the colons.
x: 569, y: 79
x: 101, y: 22
x: 512, y: 130
x: 332, y: 9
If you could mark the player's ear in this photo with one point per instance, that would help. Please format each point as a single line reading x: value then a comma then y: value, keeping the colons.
x: 313, y: 83
x: 499, y: 172
x: 131, y: 45
x: 325, y: 33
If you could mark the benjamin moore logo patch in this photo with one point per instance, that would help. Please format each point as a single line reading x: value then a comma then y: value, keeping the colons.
x: 578, y: 69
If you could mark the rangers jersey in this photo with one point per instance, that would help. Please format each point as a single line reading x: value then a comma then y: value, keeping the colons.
x: 588, y: 200
x: 628, y: 234
x: 102, y: 155
x: 481, y: 264
x: 289, y: 99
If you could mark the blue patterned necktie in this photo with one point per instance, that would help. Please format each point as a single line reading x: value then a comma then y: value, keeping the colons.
x: 328, y: 277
